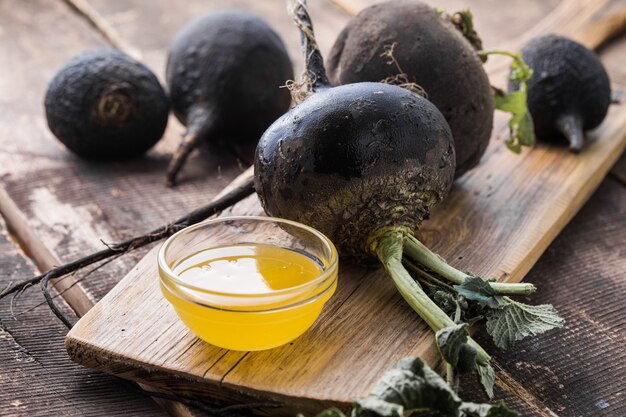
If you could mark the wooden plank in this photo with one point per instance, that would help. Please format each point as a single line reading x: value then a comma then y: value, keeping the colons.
x: 579, y: 371
x: 353, y: 348
x: 70, y: 203
x: 43, y: 180
x: 35, y: 375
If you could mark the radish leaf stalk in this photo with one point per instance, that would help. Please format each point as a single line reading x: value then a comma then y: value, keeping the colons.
x: 417, y: 251
x: 507, y: 320
x: 521, y: 127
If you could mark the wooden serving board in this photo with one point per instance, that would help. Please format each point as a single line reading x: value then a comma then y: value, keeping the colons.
x: 498, y: 220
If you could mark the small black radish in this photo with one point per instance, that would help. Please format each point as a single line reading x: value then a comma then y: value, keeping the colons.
x: 429, y: 50
x: 569, y: 91
x: 366, y: 163
x: 224, y: 73
x: 105, y: 105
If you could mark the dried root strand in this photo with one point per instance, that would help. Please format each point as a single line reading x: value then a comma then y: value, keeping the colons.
x: 315, y: 77
x: 196, y: 216
x: 401, y: 79
x: 299, y: 90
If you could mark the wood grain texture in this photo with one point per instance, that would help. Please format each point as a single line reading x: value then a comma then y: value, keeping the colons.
x: 35, y: 375
x: 497, y: 222
x: 69, y: 203
x: 58, y: 205
x: 129, y: 16
x: 580, y: 370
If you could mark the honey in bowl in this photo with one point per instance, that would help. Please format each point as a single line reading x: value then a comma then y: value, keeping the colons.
x: 253, y: 295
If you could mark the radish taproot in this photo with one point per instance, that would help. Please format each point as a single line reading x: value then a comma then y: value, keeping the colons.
x: 365, y: 163
x: 569, y: 91
x: 224, y: 72
x: 434, y: 54
x: 105, y: 105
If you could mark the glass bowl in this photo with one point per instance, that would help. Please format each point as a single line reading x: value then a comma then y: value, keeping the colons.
x: 253, y: 316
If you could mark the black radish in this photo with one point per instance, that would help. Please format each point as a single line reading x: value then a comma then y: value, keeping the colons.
x: 105, y: 105
x: 430, y: 51
x: 224, y: 73
x: 348, y: 157
x: 365, y: 163
x: 569, y: 91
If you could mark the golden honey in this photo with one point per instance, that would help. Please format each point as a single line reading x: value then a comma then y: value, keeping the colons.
x: 248, y: 296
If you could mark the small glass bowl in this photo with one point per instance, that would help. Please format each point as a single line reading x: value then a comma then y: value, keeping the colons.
x: 248, y: 321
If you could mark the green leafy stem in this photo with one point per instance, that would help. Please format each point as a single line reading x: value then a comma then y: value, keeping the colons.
x: 449, y: 300
x: 521, y: 127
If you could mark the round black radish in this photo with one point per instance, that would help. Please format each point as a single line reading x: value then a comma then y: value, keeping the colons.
x: 224, y: 73
x: 353, y: 159
x: 105, y: 105
x: 432, y: 53
x: 569, y: 91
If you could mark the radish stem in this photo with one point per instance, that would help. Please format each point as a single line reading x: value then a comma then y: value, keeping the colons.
x: 418, y: 252
x: 387, y: 246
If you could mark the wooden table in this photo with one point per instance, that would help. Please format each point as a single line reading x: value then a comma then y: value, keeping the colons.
x: 56, y: 207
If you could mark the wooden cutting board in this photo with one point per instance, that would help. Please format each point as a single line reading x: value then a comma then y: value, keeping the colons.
x: 497, y: 221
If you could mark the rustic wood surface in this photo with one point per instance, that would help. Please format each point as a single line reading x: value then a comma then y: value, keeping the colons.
x: 35, y: 375
x: 350, y: 346
x: 113, y: 201
x: 580, y: 370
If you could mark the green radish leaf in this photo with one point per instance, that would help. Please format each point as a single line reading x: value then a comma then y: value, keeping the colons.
x: 452, y: 344
x: 477, y: 289
x: 376, y: 407
x: 412, y: 386
x: 331, y: 412
x: 521, y: 127
x: 487, y: 378
x: 516, y: 321
x: 486, y: 410
x: 447, y: 301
